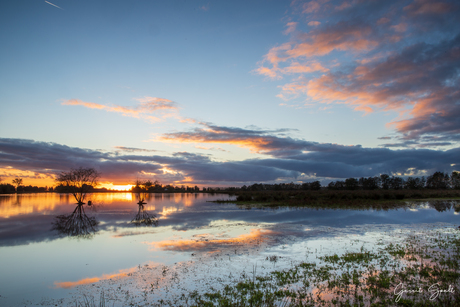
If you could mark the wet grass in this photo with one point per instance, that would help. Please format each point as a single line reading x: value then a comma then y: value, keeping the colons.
x: 90, y: 302
x: 421, y: 271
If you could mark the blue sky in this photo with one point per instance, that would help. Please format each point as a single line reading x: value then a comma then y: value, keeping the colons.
x: 241, y: 88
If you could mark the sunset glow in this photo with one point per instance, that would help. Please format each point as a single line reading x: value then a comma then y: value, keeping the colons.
x: 206, y: 242
x: 91, y: 280
x: 116, y: 187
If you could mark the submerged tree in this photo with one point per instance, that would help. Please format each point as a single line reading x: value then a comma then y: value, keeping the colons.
x: 144, y: 218
x: 79, y: 181
x: 76, y: 224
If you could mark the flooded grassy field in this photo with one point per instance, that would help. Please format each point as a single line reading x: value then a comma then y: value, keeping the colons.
x: 184, y: 250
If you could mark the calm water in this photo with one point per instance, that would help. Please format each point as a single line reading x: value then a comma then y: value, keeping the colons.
x: 41, y: 262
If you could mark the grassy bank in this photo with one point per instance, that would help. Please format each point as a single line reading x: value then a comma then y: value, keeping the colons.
x: 359, y: 199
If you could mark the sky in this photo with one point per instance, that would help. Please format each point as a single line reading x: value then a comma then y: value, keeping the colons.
x: 227, y: 93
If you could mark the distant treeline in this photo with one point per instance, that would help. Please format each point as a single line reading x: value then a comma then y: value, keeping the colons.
x: 438, y: 180
x: 6, y: 188
x: 156, y: 187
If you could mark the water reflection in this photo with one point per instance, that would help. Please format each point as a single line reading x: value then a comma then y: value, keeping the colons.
x: 210, y: 243
x: 144, y: 218
x: 76, y: 224
x: 120, y: 212
x: 444, y: 205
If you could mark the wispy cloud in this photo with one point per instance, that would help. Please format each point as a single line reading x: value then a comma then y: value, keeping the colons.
x: 146, y: 106
x: 291, y: 26
x: 133, y: 149
x: 205, y: 7
x: 211, y: 148
x: 54, y: 5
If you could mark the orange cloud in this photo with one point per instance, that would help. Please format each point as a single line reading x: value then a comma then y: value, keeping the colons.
x: 33, y: 178
x: 316, y: 43
x: 255, y: 143
x: 297, y: 68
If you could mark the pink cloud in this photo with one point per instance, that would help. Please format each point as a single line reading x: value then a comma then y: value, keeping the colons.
x: 421, y: 7
x: 383, y: 20
x: 401, y: 27
x: 311, y: 7
x: 205, y: 8
x: 316, y: 43
x: 343, y: 6
x: 147, y: 106
x: 291, y: 27
x: 391, y: 57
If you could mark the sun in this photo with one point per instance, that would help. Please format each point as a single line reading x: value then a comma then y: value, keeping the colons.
x: 117, y: 187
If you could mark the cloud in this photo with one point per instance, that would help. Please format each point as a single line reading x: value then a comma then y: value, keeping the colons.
x: 133, y: 149
x: 211, y: 148
x: 424, y: 77
x: 394, y: 56
x: 311, y: 7
x: 146, y: 106
x: 422, y: 7
x: 205, y: 7
x: 322, y: 159
x: 287, y: 159
x: 257, y: 140
x: 290, y: 27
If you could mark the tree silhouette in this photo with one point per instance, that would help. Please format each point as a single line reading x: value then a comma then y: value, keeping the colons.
x: 80, y: 181
x: 17, y: 182
x: 144, y: 218
x: 438, y: 180
x: 455, y: 180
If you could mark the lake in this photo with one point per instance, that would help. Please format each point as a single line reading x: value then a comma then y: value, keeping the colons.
x: 196, y: 243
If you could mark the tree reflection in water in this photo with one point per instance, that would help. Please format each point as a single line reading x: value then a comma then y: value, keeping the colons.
x: 144, y: 217
x: 76, y: 224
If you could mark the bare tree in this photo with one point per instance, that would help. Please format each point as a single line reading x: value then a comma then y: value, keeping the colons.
x: 17, y: 182
x: 80, y: 181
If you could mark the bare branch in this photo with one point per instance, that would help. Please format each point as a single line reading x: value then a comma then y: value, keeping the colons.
x: 80, y: 181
